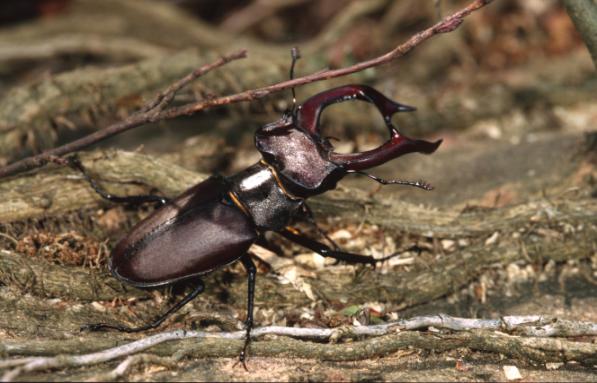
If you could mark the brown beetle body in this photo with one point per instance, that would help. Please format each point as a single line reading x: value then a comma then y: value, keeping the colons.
x: 184, y: 238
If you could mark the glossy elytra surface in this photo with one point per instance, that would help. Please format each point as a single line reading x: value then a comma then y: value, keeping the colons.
x: 191, y: 235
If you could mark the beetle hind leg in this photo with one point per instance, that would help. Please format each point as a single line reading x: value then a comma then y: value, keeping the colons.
x: 75, y: 163
x: 251, y: 272
x: 155, y: 323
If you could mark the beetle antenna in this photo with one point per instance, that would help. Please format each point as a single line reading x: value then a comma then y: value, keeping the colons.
x: 295, y: 54
x: 419, y: 184
x: 438, y: 9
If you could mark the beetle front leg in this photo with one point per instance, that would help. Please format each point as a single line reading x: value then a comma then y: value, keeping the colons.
x: 155, y: 323
x: 75, y: 163
x: 252, y: 272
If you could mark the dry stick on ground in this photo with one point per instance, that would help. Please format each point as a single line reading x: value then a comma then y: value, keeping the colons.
x: 448, y: 24
x: 117, y: 48
x: 533, y: 327
x: 148, y: 113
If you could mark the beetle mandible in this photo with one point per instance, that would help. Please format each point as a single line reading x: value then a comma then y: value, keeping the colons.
x: 214, y: 223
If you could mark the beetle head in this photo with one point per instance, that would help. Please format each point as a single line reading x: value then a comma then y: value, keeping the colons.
x: 306, y: 162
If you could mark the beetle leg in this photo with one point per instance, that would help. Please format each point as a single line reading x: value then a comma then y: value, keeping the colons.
x: 308, y: 214
x: 75, y: 163
x: 158, y: 321
x: 419, y: 184
x: 252, y: 272
x: 326, y: 251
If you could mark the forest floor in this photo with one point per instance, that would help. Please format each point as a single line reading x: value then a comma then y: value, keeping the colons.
x: 510, y: 228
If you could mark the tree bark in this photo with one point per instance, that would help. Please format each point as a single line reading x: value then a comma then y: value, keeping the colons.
x: 584, y: 15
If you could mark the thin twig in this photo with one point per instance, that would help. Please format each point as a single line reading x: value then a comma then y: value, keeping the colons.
x: 161, y: 101
x: 532, y: 325
x: 448, y: 24
x: 121, y: 370
x: 148, y: 113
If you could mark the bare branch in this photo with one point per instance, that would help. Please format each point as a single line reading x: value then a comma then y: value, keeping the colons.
x: 534, y: 326
x: 165, y: 97
x: 448, y: 24
x: 148, y: 113
x: 122, y: 369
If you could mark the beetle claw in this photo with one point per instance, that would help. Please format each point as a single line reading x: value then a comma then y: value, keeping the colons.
x: 242, y: 357
x: 242, y: 360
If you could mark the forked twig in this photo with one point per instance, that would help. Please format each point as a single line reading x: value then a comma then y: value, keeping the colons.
x: 144, y: 116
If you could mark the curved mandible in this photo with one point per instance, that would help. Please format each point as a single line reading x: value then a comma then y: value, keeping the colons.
x: 398, y: 144
x: 395, y: 147
x: 310, y: 112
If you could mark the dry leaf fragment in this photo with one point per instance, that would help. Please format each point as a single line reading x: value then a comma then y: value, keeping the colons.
x: 512, y: 373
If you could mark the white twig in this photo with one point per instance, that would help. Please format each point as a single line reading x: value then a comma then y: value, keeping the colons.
x: 126, y: 365
x: 532, y: 325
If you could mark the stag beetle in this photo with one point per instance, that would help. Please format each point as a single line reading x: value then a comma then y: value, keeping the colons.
x: 214, y: 223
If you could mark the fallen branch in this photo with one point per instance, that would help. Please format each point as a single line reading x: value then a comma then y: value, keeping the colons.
x: 122, y: 369
x: 119, y: 48
x: 148, y: 113
x: 446, y: 25
x: 162, y: 24
x: 533, y: 348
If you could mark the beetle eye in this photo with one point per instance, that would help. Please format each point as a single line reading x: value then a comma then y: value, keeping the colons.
x: 278, y: 126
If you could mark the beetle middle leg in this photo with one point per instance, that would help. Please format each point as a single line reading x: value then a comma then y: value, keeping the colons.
x: 156, y: 322
x: 324, y: 250
x: 75, y: 163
